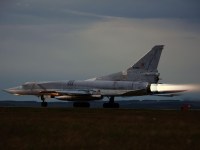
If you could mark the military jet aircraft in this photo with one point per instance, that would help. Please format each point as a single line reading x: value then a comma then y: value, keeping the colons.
x: 138, y: 80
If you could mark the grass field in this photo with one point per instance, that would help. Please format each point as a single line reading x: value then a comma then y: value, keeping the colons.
x: 60, y: 128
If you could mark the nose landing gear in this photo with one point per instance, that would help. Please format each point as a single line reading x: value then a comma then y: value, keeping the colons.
x: 43, y: 103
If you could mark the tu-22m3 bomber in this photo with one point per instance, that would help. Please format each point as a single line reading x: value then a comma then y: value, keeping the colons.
x: 138, y: 80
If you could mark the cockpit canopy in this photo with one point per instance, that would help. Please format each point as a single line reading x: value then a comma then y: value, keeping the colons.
x: 30, y: 85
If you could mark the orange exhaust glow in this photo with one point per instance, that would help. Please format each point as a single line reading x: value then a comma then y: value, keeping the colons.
x: 174, y: 88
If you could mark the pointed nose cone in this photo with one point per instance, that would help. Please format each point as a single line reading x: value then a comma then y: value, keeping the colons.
x: 14, y: 90
x: 7, y: 90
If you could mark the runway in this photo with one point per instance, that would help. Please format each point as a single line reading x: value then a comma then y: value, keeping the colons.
x: 67, y: 128
x: 131, y: 104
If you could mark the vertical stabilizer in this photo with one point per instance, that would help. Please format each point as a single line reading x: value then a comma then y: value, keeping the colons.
x: 150, y: 61
x: 144, y: 70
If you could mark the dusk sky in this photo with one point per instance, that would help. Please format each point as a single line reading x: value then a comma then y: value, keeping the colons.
x: 47, y: 40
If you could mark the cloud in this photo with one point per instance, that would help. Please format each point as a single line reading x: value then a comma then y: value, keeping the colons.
x: 31, y: 12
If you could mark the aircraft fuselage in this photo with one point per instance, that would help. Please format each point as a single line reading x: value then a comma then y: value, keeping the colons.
x: 90, y: 90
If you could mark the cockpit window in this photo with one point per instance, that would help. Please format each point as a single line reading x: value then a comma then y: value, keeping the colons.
x: 30, y: 86
x: 16, y: 88
x: 27, y: 86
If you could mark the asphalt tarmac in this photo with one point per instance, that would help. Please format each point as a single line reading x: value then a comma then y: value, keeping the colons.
x: 131, y: 104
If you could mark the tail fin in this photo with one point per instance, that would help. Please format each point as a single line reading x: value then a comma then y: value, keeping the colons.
x: 144, y: 70
x: 150, y: 61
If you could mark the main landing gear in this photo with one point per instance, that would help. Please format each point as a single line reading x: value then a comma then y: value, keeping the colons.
x: 43, y: 103
x: 111, y: 103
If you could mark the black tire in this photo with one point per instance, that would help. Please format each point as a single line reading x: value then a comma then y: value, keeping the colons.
x: 44, y: 104
x: 116, y: 105
x: 106, y: 105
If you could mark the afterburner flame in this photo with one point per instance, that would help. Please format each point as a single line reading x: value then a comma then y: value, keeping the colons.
x: 174, y: 87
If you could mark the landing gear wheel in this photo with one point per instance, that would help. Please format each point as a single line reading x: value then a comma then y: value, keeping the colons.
x: 81, y: 104
x: 42, y: 98
x: 111, y: 103
x: 44, y: 104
